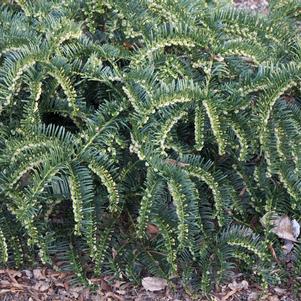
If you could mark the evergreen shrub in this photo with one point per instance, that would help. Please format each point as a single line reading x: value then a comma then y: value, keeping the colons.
x: 148, y: 137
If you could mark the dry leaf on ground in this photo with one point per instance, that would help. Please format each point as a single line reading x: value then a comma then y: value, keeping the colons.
x: 154, y: 284
x: 37, y: 274
x: 283, y: 227
x: 254, y: 296
x: 239, y: 285
x: 235, y: 288
x: 273, y: 298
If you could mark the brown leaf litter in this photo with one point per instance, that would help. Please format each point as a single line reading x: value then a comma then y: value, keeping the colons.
x: 255, y: 5
x: 43, y: 284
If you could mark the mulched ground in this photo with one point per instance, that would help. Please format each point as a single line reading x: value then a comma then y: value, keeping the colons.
x: 256, y: 5
x: 43, y: 284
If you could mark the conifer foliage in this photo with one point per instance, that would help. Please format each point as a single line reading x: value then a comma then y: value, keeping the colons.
x: 148, y: 137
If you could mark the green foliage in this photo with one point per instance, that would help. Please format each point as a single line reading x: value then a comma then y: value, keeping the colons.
x: 118, y: 117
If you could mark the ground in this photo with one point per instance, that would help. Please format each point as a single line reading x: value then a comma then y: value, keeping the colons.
x: 43, y: 284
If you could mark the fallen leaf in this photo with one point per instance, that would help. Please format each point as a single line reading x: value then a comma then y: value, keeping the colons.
x: 16, y: 274
x: 121, y: 284
x: 37, y: 274
x: 280, y: 291
x: 235, y: 287
x: 41, y: 286
x: 110, y: 295
x: 239, y: 285
x: 296, y: 228
x: 74, y: 294
x: 4, y: 283
x: 105, y: 286
x: 284, y: 229
x: 154, y: 283
x: 254, y: 296
x: 228, y: 295
x: 289, y: 243
x: 99, y: 298
x: 5, y: 291
x: 59, y: 284
x: 121, y: 292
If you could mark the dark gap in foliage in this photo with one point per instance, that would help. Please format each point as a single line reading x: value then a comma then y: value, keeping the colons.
x: 54, y: 118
